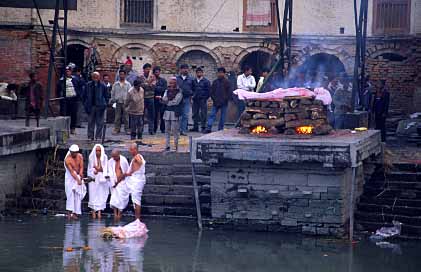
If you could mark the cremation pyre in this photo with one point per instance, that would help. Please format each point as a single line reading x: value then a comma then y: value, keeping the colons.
x: 291, y: 115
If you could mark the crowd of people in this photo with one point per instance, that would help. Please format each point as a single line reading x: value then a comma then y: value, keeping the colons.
x: 148, y: 98
x: 116, y: 175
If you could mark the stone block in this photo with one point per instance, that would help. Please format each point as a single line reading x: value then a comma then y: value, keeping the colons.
x: 322, y: 231
x: 291, y: 179
x: 308, y: 230
x: 289, y: 222
x: 325, y: 180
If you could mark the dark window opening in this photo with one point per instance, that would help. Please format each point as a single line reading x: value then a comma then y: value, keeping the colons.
x: 137, y: 12
x: 391, y: 57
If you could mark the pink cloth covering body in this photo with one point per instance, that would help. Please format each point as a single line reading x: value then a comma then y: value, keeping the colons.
x: 134, y: 229
x: 278, y: 94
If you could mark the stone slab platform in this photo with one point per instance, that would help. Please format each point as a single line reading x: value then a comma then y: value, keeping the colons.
x: 16, y: 139
x: 339, y: 149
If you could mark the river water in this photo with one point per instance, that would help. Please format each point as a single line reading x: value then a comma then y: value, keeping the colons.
x: 37, y: 243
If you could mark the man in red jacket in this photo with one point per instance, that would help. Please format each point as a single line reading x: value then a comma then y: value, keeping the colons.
x: 33, y: 93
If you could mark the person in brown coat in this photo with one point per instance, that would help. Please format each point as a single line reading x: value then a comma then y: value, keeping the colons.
x: 33, y: 93
x: 135, y: 107
x: 220, y: 94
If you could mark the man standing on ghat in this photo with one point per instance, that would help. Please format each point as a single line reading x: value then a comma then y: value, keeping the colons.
x: 148, y: 84
x: 201, y: 90
x: 135, y: 178
x: 118, y: 96
x: 73, y: 183
x: 160, y: 87
x: 69, y: 88
x: 33, y: 93
x: 185, y: 84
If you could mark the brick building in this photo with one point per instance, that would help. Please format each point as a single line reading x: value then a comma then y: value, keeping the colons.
x: 217, y: 33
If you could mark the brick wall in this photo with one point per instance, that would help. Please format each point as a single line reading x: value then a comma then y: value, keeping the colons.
x: 15, y: 55
x: 401, y: 74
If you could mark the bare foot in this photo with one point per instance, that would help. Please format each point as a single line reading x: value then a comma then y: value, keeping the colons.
x: 93, y: 214
x: 99, y: 214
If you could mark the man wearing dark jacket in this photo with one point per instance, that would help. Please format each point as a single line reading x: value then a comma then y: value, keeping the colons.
x: 220, y: 94
x: 95, y: 102
x: 33, y: 93
x: 160, y: 88
x: 185, y: 84
x: 69, y: 87
x: 148, y: 84
x: 381, y: 108
x: 201, y: 91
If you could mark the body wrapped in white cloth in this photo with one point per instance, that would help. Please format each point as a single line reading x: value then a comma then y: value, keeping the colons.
x: 131, y: 230
x: 318, y: 94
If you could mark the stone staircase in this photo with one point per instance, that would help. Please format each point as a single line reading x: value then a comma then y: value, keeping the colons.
x: 168, y: 190
x: 395, y: 195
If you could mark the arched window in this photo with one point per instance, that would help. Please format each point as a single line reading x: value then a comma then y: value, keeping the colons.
x: 391, y: 16
x: 137, y: 12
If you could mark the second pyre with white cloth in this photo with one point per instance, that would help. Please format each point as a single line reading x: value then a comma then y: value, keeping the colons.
x: 289, y: 111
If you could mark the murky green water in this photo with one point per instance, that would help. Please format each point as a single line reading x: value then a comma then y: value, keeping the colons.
x: 37, y: 244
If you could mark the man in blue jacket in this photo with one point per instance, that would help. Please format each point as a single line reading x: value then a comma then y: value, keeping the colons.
x: 95, y: 102
x: 201, y: 92
x: 185, y: 84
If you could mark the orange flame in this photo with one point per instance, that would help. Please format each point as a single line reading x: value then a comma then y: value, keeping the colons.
x: 304, y: 130
x: 259, y: 130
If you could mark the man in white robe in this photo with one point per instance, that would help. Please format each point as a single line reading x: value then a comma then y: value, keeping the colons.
x: 117, y: 167
x: 100, y: 188
x: 74, y: 187
x: 135, y: 178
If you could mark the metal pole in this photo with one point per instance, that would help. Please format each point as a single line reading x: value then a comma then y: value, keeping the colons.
x: 363, y: 43
x: 195, y: 187
x: 52, y: 52
x: 278, y: 21
x: 290, y: 35
x: 351, y: 206
x: 355, y: 89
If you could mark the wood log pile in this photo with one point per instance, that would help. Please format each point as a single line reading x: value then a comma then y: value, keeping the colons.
x: 285, y: 116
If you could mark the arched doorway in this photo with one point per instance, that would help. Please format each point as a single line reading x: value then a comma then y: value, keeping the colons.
x: 75, y: 54
x: 198, y: 58
x: 257, y: 60
x: 322, y: 64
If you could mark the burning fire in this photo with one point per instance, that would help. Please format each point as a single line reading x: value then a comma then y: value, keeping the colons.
x: 304, y: 130
x: 259, y: 130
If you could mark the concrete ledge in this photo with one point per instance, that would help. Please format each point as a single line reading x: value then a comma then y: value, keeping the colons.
x: 15, y: 140
x: 340, y: 149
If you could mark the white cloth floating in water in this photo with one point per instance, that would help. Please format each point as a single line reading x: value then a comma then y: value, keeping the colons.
x: 131, y: 230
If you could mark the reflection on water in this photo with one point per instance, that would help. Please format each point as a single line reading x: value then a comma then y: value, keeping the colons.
x: 102, y: 255
x: 39, y: 243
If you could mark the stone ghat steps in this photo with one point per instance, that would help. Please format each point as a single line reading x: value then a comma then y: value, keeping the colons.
x: 387, y: 218
x: 392, y: 195
x: 168, y: 190
x: 388, y: 209
x: 386, y: 192
x: 169, y: 208
x: 391, y: 201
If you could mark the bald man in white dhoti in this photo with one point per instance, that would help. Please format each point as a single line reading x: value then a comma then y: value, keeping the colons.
x: 117, y: 167
x: 74, y: 187
x: 100, y: 188
x: 135, y: 178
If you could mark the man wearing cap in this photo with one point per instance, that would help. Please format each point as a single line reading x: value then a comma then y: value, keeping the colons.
x: 74, y: 187
x: 69, y: 87
x: 132, y: 75
x: 185, y: 84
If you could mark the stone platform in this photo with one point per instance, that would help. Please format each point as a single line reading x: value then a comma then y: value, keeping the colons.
x: 279, y: 182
